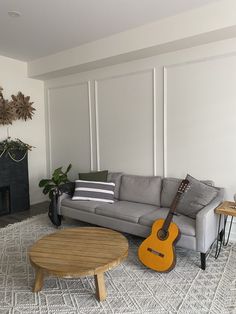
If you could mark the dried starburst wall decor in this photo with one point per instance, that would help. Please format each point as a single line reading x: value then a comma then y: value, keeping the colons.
x: 7, y: 112
x: 23, y: 106
x: 1, y: 89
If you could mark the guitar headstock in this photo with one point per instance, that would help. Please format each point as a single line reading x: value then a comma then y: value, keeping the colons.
x: 183, y: 186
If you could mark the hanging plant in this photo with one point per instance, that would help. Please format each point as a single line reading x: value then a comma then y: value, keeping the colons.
x: 11, y: 147
x: 7, y: 112
x: 23, y: 106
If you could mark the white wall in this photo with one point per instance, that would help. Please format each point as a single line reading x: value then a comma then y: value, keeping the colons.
x: 167, y: 115
x: 13, y: 78
x: 201, y: 115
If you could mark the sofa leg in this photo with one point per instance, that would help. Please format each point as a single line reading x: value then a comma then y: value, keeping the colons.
x: 203, y: 261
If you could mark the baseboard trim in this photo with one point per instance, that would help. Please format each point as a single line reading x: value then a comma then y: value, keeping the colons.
x: 39, y: 200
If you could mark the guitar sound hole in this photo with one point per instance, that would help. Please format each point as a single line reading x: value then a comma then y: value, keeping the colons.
x: 162, y: 234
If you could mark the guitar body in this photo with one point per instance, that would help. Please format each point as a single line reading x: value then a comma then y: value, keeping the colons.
x: 158, y: 252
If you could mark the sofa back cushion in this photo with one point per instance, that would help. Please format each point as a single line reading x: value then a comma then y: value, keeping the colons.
x: 198, y: 195
x: 170, y: 188
x: 116, y: 178
x: 141, y: 189
x: 100, y: 176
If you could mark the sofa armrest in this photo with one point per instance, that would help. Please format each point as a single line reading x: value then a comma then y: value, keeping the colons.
x: 207, y: 223
x: 59, y: 200
x: 67, y: 188
x: 65, y: 191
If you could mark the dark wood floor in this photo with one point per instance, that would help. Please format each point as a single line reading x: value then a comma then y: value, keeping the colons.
x: 16, y: 217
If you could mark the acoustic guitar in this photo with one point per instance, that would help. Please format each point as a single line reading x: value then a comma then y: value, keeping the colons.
x: 158, y: 251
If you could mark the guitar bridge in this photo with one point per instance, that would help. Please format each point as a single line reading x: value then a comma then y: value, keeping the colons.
x: 155, y: 252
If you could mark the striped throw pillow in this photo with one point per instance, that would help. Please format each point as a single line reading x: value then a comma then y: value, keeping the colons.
x: 94, y: 191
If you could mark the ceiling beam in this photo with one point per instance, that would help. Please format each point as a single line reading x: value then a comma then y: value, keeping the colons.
x: 209, y: 23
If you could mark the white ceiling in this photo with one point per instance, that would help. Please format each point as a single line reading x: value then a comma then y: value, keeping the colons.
x: 49, y: 26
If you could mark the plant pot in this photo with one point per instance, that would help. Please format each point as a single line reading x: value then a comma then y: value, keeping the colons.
x: 52, y: 212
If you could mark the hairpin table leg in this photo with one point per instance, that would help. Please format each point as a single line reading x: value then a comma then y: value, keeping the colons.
x: 225, y: 209
x: 219, y: 239
x: 225, y: 243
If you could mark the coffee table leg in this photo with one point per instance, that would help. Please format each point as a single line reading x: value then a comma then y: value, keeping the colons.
x: 38, y: 284
x: 100, y: 286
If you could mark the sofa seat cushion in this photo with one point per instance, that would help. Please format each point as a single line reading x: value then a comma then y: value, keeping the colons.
x: 124, y: 210
x: 141, y: 189
x: 185, y: 224
x: 88, y: 206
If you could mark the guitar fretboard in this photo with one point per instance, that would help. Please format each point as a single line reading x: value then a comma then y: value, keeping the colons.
x: 173, y: 206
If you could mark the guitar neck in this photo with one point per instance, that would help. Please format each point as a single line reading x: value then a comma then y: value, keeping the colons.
x: 171, y: 212
x: 182, y: 188
x: 175, y: 202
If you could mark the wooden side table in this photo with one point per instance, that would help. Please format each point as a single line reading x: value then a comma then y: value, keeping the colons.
x: 224, y: 210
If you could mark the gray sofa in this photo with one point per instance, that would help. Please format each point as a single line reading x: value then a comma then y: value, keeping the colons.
x: 139, y: 202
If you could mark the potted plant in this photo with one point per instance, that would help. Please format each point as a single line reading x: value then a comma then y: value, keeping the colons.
x: 52, y: 188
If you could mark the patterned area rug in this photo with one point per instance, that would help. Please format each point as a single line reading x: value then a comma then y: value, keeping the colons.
x: 131, y: 287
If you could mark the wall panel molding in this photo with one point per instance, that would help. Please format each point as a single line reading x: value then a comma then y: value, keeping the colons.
x: 154, y: 84
x: 48, y: 133
x: 48, y: 121
x: 165, y: 121
x: 90, y: 125
x: 165, y: 100
x: 154, y: 96
x: 97, y: 124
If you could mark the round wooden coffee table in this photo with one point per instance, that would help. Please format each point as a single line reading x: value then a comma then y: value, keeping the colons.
x: 76, y: 252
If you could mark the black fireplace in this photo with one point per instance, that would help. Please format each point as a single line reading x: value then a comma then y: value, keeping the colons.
x: 5, y: 200
x: 14, y: 183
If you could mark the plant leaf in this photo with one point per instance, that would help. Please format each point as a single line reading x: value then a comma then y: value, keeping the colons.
x: 43, y: 182
x: 57, y: 172
x: 48, y: 188
x: 68, y: 168
x: 58, y: 178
